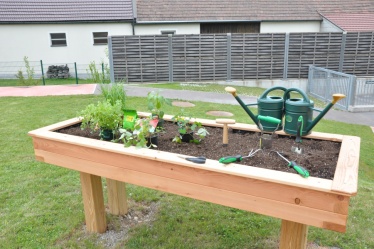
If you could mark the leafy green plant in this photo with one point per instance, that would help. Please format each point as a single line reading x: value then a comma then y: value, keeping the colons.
x: 29, y: 81
x: 113, y: 93
x: 156, y: 102
x: 95, y: 76
x: 21, y: 78
x: 140, y: 136
x: 103, y: 116
x: 187, y: 126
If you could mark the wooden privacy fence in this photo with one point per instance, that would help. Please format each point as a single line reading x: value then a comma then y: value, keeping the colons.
x: 213, y: 57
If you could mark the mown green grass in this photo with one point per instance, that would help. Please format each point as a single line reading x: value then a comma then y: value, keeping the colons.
x: 41, y: 204
x: 15, y: 82
x: 219, y: 88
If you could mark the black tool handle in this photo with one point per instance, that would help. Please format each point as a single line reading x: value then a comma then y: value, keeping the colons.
x: 199, y: 160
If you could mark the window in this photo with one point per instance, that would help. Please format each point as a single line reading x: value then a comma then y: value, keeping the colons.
x: 100, y: 38
x: 58, y: 39
x: 245, y: 27
x: 168, y: 32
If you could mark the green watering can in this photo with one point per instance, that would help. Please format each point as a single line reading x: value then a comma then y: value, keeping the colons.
x: 298, y: 118
x: 270, y: 109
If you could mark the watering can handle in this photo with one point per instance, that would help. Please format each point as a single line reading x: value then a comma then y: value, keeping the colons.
x: 269, y: 119
x: 302, y: 93
x: 264, y: 94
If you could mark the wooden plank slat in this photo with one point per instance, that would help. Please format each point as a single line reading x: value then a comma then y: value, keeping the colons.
x: 310, y: 198
x: 295, y: 213
x: 346, y: 174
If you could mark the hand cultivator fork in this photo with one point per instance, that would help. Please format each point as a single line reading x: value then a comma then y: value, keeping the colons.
x: 237, y: 158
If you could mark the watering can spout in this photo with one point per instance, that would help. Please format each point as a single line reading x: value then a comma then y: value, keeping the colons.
x: 270, y: 108
x: 232, y: 90
x: 335, y: 98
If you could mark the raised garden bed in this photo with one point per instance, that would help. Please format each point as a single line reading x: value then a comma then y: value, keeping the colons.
x: 299, y: 202
x: 319, y: 157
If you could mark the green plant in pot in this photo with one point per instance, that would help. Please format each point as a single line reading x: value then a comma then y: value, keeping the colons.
x: 144, y: 134
x: 187, y: 129
x: 103, y: 116
x: 156, y: 102
x: 113, y: 93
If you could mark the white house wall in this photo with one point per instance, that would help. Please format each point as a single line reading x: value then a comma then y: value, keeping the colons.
x: 155, y: 29
x: 194, y: 28
x: 288, y: 27
x: 33, y: 41
x: 327, y: 26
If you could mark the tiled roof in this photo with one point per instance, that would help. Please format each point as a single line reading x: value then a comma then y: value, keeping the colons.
x: 351, y: 22
x: 244, y: 10
x: 65, y: 10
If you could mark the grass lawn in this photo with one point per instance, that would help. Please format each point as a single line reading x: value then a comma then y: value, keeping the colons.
x: 218, y: 88
x: 15, y: 82
x: 41, y: 204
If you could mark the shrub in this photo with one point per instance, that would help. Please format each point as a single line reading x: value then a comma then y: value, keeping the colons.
x: 29, y: 81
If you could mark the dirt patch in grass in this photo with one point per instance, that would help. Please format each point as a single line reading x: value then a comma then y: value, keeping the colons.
x: 118, y: 230
x: 319, y: 157
x: 119, y: 226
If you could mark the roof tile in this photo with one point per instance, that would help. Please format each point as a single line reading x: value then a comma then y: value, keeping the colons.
x: 67, y: 10
x: 352, y: 22
x: 244, y: 10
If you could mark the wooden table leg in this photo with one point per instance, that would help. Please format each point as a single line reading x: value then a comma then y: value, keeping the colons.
x: 117, y: 200
x: 293, y: 235
x: 93, y: 200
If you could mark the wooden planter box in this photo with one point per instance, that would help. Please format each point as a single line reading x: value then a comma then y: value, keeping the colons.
x: 297, y: 201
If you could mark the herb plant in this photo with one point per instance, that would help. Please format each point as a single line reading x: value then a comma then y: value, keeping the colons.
x: 187, y: 126
x: 140, y: 136
x: 103, y: 116
x: 113, y: 93
x: 156, y: 102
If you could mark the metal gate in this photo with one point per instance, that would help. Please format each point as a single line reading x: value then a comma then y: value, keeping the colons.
x: 323, y: 83
x: 363, y: 93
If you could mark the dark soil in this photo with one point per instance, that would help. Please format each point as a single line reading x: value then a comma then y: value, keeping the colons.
x: 319, y: 157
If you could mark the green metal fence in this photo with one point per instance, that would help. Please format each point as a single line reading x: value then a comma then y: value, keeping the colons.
x: 14, y: 73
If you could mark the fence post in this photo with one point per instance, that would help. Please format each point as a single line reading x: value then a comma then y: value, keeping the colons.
x: 102, y: 71
x: 352, y: 92
x: 110, y: 53
x: 342, y: 50
x: 328, y: 86
x: 170, y: 57
x: 76, y: 73
x: 228, y: 56
x: 286, y: 50
x: 41, y: 66
x: 310, y: 78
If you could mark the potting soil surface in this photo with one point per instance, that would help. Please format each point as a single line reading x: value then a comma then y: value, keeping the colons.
x: 319, y: 157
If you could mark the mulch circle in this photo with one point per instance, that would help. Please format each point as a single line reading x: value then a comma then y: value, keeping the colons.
x: 219, y: 113
x: 182, y: 104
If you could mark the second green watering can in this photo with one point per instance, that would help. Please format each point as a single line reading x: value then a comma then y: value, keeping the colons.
x: 301, y: 110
